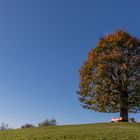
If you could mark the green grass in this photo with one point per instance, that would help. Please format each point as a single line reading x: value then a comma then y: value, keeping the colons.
x: 103, y: 131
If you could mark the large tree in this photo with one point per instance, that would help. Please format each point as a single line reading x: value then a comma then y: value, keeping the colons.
x: 110, y: 77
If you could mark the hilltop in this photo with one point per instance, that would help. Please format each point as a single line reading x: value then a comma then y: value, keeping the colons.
x: 101, y: 131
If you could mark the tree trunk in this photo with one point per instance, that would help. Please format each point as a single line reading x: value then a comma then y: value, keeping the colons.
x: 124, y: 112
x: 124, y: 106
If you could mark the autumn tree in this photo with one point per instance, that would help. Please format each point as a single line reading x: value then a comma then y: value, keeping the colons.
x: 110, y: 77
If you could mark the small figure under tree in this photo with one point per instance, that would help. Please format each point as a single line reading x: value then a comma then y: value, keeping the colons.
x: 110, y: 77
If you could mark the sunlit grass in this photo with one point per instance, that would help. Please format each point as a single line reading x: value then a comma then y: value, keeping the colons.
x: 104, y: 131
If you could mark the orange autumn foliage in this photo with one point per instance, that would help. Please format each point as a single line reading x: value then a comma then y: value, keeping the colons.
x: 110, y: 77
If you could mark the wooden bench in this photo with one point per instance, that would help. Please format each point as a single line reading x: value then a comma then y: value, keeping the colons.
x: 131, y: 120
x: 121, y: 119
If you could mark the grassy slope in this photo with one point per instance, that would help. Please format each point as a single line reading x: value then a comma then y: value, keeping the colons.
x: 106, y: 131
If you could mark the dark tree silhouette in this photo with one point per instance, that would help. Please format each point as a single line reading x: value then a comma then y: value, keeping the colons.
x: 48, y: 122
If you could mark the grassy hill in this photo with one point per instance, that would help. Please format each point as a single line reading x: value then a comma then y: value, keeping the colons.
x: 103, y: 131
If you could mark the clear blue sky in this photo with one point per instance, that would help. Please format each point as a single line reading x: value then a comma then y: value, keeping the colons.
x: 43, y: 44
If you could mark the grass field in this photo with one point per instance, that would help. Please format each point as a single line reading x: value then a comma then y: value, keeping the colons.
x: 103, y: 131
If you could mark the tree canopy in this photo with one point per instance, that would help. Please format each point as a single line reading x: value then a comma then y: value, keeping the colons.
x: 110, y: 77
